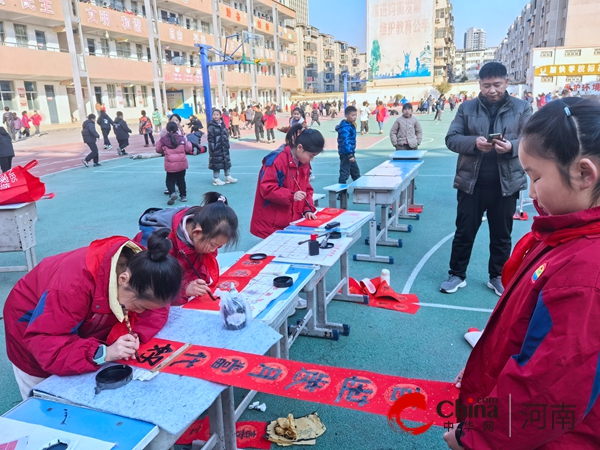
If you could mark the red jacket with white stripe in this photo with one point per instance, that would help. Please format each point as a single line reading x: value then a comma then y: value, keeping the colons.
x: 541, y: 347
x: 58, y: 314
x: 274, y: 205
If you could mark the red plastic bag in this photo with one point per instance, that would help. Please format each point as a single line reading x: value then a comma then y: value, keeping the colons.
x: 19, y: 186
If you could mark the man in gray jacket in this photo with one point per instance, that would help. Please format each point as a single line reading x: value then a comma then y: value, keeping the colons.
x: 489, y: 175
x: 406, y: 133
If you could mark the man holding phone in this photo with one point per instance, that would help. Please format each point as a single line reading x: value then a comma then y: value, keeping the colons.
x: 485, y: 134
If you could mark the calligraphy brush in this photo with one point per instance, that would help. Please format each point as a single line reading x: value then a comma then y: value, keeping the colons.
x: 128, y: 324
x: 308, y: 240
x: 305, y: 199
x: 197, y: 274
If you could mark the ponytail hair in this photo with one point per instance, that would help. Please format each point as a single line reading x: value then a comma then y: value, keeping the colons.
x: 562, y: 131
x: 310, y: 139
x: 155, y: 275
x: 216, y: 218
x: 172, y: 129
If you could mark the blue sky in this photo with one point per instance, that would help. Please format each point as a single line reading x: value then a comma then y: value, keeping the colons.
x: 346, y: 19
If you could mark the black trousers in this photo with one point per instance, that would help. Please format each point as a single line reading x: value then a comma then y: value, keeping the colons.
x: 348, y: 168
x: 469, y: 213
x: 176, y: 178
x: 5, y: 163
x: 105, y: 133
x: 146, y: 137
x: 259, y: 131
x: 93, y: 152
x: 270, y: 134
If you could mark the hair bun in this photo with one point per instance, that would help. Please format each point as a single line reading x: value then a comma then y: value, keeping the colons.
x: 159, y: 245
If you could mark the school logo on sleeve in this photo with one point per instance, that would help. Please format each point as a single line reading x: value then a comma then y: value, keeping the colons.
x: 538, y: 272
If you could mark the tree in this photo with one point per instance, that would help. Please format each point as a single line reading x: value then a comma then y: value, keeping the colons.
x: 443, y: 88
x: 375, y: 57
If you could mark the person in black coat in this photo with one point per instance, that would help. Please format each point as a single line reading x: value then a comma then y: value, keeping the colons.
x: 218, y: 150
x: 90, y: 135
x: 105, y: 123
x: 7, y: 152
x: 259, y: 129
x: 122, y: 131
x: 194, y: 124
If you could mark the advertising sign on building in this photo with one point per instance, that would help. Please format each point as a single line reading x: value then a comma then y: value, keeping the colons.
x: 174, y: 99
x: 400, y: 38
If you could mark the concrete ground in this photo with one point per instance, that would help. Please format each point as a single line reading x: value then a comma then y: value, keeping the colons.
x: 91, y: 203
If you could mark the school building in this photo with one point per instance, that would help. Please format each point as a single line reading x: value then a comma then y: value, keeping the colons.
x: 63, y: 57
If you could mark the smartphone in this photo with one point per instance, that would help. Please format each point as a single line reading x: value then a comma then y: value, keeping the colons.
x: 493, y: 136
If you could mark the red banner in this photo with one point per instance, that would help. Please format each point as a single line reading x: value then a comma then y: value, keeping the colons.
x: 323, y: 217
x: 385, y: 297
x: 348, y: 388
x: 248, y: 434
x: 239, y: 274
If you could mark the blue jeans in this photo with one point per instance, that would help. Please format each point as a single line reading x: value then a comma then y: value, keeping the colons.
x: 380, y: 126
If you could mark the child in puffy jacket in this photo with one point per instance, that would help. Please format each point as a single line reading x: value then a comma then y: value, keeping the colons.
x: 122, y: 131
x: 174, y: 147
x: 270, y: 120
x: 218, y: 150
x: 346, y: 130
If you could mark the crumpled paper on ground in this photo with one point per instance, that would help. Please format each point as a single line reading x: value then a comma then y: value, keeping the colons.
x: 301, y: 431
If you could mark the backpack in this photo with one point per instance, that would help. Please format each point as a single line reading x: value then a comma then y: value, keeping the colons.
x: 145, y: 125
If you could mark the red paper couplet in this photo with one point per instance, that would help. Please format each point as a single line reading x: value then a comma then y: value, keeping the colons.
x: 324, y: 216
x: 415, y: 209
x: 347, y: 388
x: 385, y: 297
x: 239, y: 274
x: 248, y: 434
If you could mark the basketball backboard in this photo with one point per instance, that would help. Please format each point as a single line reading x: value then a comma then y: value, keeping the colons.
x: 254, y: 47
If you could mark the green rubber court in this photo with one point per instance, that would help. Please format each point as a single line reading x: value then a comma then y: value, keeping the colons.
x: 98, y: 202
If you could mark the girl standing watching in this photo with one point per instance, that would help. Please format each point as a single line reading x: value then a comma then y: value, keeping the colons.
x: 541, y: 344
x: 196, y: 234
x: 59, y: 316
x: 283, y: 192
x: 218, y: 150
x: 174, y: 147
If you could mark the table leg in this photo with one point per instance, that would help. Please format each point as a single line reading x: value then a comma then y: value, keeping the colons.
x: 229, y: 419
x: 373, y: 238
x: 345, y: 295
x: 332, y: 199
x: 344, y: 199
x: 399, y: 209
x: 215, y: 416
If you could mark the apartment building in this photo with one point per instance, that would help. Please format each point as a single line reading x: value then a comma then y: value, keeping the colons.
x: 62, y: 58
x: 444, y: 46
x: 468, y: 63
x: 475, y: 39
x: 325, y: 60
x: 547, y: 23
x: 301, y: 8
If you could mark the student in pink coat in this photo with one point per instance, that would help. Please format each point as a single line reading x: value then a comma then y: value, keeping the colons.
x: 175, y: 147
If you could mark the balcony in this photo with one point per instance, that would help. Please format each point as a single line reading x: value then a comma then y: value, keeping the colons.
x: 290, y: 83
x: 238, y: 79
x: 174, y: 34
x: 288, y: 34
x: 288, y: 58
x: 27, y: 61
x: 48, y: 11
x: 112, y: 21
x: 185, y: 75
x: 119, y: 70
x: 266, y: 81
x: 192, y: 6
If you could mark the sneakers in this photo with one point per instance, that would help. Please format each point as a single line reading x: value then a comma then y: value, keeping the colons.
x: 183, y: 199
x: 230, y: 179
x: 218, y: 182
x: 97, y: 164
x: 105, y: 147
x: 452, y: 284
x: 311, y: 177
x: 109, y: 147
x: 172, y: 199
x: 495, y: 284
x: 146, y: 145
x: 123, y: 153
x: 301, y: 303
x: 85, y: 163
x: 166, y: 192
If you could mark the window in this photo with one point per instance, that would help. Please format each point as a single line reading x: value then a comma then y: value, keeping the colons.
x: 31, y: 94
x: 40, y: 38
x: 148, y: 54
x: 145, y: 96
x: 123, y: 50
x: 1, y: 33
x: 572, y: 52
x: 139, y: 50
x: 91, y: 46
x: 7, y: 94
x: 98, y: 94
x: 21, y: 35
x: 571, y: 79
x: 547, y: 79
x: 205, y: 27
x: 440, y: 32
x: 546, y: 54
x: 439, y: 14
x: 105, y: 47
x: 117, y: 4
x: 596, y: 50
x: 439, y: 52
x: 129, y: 97
x: 112, y: 96
x: 134, y: 7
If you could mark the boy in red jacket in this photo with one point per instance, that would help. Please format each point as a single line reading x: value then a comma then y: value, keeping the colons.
x: 270, y: 120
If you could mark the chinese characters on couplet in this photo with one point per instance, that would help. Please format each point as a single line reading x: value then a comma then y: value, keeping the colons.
x: 156, y: 354
x: 309, y: 380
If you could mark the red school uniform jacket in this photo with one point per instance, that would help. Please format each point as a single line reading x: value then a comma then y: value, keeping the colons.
x: 270, y: 120
x: 205, y: 264
x: 274, y: 205
x: 58, y: 314
x: 541, y: 345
